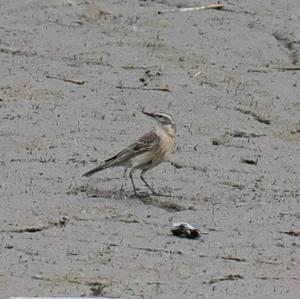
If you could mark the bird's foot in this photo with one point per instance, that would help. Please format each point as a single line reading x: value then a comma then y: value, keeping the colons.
x: 140, y: 195
x: 154, y: 193
x: 145, y: 194
x: 161, y: 194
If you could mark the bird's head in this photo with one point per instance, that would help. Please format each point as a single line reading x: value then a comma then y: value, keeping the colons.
x: 165, y: 121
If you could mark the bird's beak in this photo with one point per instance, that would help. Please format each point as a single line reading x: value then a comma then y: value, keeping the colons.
x: 149, y: 114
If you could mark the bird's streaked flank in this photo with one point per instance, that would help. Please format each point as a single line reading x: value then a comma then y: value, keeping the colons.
x: 147, y: 152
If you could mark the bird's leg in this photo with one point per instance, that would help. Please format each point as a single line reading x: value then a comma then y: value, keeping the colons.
x: 132, y: 182
x: 124, y: 180
x: 146, y: 183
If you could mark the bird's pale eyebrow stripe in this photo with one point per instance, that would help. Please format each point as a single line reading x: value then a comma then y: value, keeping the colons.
x: 165, y: 115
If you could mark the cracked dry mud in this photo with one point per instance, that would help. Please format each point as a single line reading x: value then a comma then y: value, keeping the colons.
x: 74, y: 77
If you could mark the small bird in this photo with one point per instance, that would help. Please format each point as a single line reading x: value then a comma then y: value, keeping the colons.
x: 147, y: 152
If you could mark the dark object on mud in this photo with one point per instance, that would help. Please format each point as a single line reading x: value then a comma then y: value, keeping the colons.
x: 98, y: 290
x: 233, y: 258
x: 165, y: 89
x: 183, y: 229
x: 291, y: 233
x: 287, y: 68
x: 34, y: 229
x: 257, y: 115
x: 225, y: 277
x: 249, y: 161
x: 283, y: 69
x: 219, y: 141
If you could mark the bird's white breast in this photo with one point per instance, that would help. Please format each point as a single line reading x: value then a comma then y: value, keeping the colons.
x: 157, y: 155
x: 165, y: 146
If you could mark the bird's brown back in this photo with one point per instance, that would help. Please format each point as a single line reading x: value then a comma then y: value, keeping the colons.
x: 148, y: 142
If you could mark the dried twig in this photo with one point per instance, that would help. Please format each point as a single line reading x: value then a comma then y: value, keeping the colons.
x: 137, y: 67
x: 233, y: 258
x: 73, y: 278
x: 266, y: 277
x: 186, y: 9
x: 166, y: 89
x: 259, y: 117
x: 226, y: 138
x: 225, y: 277
x: 291, y: 233
x: 257, y: 70
x: 275, y: 278
x: 297, y: 214
x: 33, y: 229
x: 79, y: 82
x: 283, y: 68
x: 249, y: 161
x: 266, y: 262
x: 287, y: 68
x: 244, y: 134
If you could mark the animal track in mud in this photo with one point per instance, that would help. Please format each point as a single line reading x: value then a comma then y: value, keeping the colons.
x: 291, y: 44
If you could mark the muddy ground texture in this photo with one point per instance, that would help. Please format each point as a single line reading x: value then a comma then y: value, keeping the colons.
x: 73, y: 81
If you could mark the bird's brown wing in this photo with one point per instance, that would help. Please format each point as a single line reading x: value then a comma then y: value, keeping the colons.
x: 146, y: 143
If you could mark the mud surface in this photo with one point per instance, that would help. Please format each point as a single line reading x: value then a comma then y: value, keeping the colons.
x: 73, y: 80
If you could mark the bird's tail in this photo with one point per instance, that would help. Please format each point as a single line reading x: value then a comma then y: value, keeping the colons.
x: 94, y: 170
x: 116, y: 160
x: 105, y: 164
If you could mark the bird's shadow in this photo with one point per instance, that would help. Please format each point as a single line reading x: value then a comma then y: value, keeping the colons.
x: 149, y: 195
x: 119, y: 194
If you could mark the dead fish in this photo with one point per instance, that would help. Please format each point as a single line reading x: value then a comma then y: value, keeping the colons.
x: 183, y: 229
